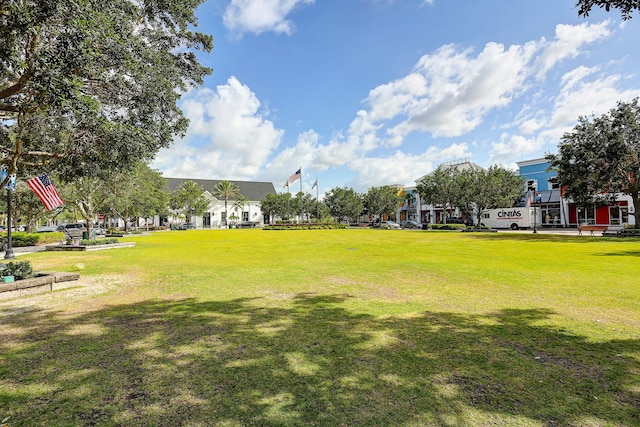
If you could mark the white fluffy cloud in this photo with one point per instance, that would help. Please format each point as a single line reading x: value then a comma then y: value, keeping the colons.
x: 229, y: 136
x: 449, y: 92
x: 401, y: 168
x: 259, y: 16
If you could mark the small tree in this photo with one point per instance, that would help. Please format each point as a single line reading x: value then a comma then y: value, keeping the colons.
x: 226, y: 190
x: 240, y: 203
x: 189, y: 200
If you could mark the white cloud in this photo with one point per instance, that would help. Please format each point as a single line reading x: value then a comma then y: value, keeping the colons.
x: 228, y: 137
x: 450, y: 92
x: 512, y: 147
x: 568, y: 42
x: 401, y: 168
x: 259, y: 16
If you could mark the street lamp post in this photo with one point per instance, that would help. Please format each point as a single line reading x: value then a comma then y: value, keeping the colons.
x: 9, y: 252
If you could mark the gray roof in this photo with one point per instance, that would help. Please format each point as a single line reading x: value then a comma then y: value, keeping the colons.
x: 464, y: 164
x: 252, y: 190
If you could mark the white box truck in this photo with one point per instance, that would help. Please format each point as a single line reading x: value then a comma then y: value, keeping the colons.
x: 513, y: 218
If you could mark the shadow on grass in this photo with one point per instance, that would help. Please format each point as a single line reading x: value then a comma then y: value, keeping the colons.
x: 621, y: 253
x: 537, y: 237
x: 312, y: 363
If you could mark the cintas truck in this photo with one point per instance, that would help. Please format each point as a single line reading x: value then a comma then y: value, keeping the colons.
x: 513, y: 218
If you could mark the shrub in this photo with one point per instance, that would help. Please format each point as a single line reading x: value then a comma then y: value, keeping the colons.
x: 92, y: 242
x: 46, y: 238
x: 448, y: 226
x: 19, y: 239
x: 20, y: 270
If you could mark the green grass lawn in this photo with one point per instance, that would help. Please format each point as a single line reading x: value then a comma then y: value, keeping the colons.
x: 330, y: 328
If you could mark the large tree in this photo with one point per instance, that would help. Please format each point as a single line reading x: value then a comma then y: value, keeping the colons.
x: 276, y: 205
x: 626, y: 7
x: 488, y: 189
x: 344, y: 203
x: 88, y: 87
x: 87, y: 194
x: 139, y: 193
x: 383, y: 200
x: 440, y: 188
x: 600, y: 158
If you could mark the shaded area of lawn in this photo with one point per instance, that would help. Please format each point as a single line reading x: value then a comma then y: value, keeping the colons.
x: 244, y: 362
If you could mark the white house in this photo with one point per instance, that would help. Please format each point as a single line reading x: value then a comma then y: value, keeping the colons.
x: 215, y: 216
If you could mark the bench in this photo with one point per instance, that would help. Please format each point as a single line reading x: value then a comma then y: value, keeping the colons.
x: 591, y: 228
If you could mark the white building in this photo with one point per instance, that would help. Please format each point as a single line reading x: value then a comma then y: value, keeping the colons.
x: 215, y: 216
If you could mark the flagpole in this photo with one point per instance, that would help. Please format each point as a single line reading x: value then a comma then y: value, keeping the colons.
x: 317, y: 206
x: 300, y: 219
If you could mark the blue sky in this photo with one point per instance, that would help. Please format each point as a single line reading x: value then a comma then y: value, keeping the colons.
x: 363, y: 93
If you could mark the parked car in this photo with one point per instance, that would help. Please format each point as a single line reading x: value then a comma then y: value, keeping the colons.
x: 411, y: 224
x: 390, y: 225
x: 47, y: 229
x: 186, y: 226
x: 73, y: 229
x: 454, y: 220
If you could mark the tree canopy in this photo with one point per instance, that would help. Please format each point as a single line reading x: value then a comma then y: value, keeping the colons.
x: 383, y: 200
x: 344, y: 203
x: 440, y: 188
x: 626, y: 7
x: 189, y: 200
x: 600, y: 157
x: 489, y: 189
x: 471, y: 190
x: 88, y: 87
x: 226, y: 190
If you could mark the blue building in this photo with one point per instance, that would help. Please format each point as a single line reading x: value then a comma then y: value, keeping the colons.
x: 543, y: 192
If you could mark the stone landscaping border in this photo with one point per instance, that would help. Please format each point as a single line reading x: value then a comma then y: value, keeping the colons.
x: 44, y: 281
x: 90, y: 247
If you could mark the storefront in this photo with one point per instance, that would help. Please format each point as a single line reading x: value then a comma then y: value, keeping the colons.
x: 614, y: 214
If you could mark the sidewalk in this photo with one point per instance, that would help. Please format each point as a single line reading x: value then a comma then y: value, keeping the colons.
x: 23, y: 250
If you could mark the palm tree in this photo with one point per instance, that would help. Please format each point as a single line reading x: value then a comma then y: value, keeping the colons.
x: 226, y: 190
x: 239, y: 203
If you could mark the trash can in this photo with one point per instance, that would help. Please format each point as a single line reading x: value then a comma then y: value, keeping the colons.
x: 85, y: 235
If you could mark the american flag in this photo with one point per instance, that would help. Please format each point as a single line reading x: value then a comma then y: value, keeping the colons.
x: 46, y: 191
x: 295, y: 176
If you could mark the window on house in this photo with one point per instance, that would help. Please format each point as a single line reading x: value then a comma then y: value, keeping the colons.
x: 586, y: 216
x: 553, y: 183
x: 245, y: 216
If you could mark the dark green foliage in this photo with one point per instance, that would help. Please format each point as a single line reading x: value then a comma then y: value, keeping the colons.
x: 600, y: 157
x: 20, y: 239
x: 383, y: 200
x: 448, y: 226
x: 19, y: 270
x: 344, y: 203
x: 626, y: 7
x: 94, y: 242
x: 90, y: 86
